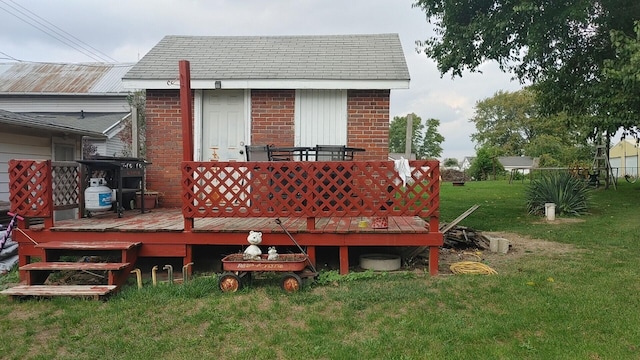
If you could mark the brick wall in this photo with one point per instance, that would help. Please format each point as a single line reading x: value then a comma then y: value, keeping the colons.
x: 272, y: 117
x: 368, y: 123
x: 164, y: 145
x: 272, y: 114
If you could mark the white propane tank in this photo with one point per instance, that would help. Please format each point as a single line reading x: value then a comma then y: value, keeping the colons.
x: 97, y: 197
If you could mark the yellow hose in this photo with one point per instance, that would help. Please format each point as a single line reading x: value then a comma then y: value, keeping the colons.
x: 471, y: 267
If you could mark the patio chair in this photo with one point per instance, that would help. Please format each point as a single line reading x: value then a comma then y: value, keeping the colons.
x: 330, y: 152
x: 257, y: 152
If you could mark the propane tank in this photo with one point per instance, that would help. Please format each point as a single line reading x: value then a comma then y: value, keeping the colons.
x: 97, y: 197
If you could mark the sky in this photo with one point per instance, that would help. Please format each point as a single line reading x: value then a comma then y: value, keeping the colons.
x: 125, y: 30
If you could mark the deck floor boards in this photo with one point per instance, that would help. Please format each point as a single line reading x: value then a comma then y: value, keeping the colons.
x: 170, y: 220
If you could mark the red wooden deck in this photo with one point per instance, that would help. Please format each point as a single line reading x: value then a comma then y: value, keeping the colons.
x: 320, y: 204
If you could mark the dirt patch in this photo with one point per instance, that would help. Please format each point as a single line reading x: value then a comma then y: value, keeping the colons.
x: 519, y: 246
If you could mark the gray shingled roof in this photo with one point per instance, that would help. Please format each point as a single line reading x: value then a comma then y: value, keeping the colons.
x: 93, y: 124
x: 330, y: 57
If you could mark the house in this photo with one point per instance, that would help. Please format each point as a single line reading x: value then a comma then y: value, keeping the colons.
x: 625, y: 157
x: 47, y: 110
x: 466, y: 162
x: 286, y: 91
x: 280, y: 90
x: 520, y: 163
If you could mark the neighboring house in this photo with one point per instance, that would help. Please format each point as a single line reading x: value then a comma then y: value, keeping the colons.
x: 48, y: 108
x: 37, y: 137
x: 522, y: 164
x: 281, y: 90
x: 624, y: 157
x: 466, y: 162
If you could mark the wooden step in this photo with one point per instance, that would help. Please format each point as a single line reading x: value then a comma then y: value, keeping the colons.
x: 88, y: 245
x: 95, y: 291
x: 63, y: 265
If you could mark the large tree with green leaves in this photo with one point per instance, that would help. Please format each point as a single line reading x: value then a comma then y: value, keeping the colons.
x: 425, y: 140
x: 560, y: 46
x: 512, y: 123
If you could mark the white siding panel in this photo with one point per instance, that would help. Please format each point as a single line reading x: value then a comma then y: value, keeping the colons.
x: 631, y: 165
x: 14, y: 146
x: 616, y: 166
x: 115, y: 147
x: 321, y: 117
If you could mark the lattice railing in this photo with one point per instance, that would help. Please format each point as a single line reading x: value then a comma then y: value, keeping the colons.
x: 66, y: 186
x: 308, y: 189
x: 30, y: 188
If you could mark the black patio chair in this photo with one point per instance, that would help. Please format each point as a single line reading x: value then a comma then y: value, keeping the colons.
x: 330, y: 152
x: 257, y: 153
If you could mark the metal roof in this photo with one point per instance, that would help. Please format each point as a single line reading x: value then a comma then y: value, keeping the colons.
x: 92, y: 124
x: 330, y: 57
x: 49, y: 78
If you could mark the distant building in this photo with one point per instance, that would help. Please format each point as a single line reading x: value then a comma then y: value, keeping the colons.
x: 624, y: 157
x: 522, y: 164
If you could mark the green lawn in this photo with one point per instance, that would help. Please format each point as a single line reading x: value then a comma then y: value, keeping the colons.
x: 582, y: 304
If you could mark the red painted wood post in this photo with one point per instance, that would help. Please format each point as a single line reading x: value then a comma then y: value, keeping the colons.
x: 311, y: 223
x: 344, y: 260
x: 187, y: 121
x: 311, y: 253
x: 433, y: 260
x: 186, y: 110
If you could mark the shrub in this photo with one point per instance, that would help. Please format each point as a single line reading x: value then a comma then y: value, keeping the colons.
x: 570, y: 194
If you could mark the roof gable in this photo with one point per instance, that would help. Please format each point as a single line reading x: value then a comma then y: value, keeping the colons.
x: 238, y: 60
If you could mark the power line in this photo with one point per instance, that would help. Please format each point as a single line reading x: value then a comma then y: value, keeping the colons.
x: 30, y: 20
x: 70, y: 35
x: 112, y: 65
x: 9, y: 57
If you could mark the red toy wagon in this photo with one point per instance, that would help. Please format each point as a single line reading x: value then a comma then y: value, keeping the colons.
x: 294, y: 266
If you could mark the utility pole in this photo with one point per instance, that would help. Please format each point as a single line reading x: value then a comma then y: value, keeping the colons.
x: 409, y: 137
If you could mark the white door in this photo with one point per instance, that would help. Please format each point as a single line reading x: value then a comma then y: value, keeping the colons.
x: 223, y: 125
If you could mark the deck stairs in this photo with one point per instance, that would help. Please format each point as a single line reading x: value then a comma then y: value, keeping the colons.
x: 72, y: 258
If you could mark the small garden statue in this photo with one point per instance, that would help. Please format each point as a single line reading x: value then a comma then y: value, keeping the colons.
x: 253, y: 252
x: 273, y: 254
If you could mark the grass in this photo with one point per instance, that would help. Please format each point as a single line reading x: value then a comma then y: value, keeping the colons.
x: 576, y: 305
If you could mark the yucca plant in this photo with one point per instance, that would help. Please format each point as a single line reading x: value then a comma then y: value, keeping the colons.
x: 570, y: 194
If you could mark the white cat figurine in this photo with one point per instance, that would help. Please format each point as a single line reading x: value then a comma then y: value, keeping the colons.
x: 253, y: 252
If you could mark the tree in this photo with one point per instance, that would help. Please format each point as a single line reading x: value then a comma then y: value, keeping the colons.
x: 512, y: 123
x: 625, y: 68
x: 135, y: 99
x: 560, y: 46
x: 485, y: 163
x: 451, y: 163
x: 425, y: 139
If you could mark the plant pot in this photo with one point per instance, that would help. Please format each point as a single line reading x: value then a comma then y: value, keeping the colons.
x: 150, y: 199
